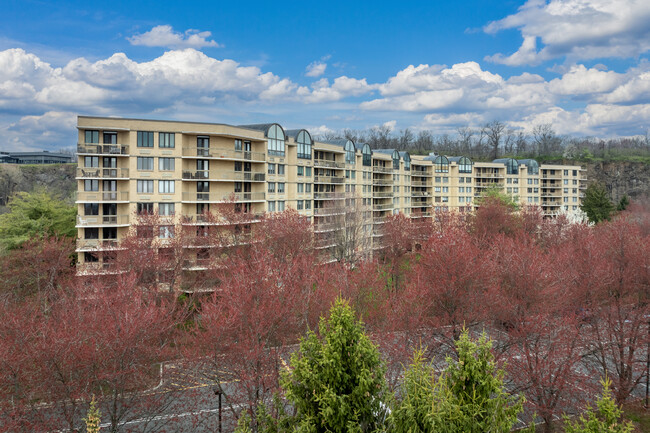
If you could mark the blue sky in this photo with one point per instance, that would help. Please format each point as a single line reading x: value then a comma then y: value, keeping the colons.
x: 580, y: 65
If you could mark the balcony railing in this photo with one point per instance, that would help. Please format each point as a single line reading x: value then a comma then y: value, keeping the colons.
x: 202, y: 152
x: 103, y: 173
x: 97, y: 244
x: 328, y: 179
x: 382, y: 181
x: 328, y: 163
x: 328, y: 211
x: 479, y: 175
x: 103, y: 149
x: 382, y: 194
x: 221, y: 197
x: 99, y: 196
x: 92, y: 220
x: 328, y: 196
x: 420, y: 194
x: 378, y: 169
x: 420, y: 183
x: 250, y: 176
x: 383, y: 206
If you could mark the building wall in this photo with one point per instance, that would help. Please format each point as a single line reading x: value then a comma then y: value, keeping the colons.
x: 212, y: 165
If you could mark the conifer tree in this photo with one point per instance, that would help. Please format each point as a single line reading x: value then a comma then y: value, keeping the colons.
x: 596, y: 203
x: 336, y: 382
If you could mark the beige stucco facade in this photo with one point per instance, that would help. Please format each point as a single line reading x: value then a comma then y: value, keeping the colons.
x: 182, y: 169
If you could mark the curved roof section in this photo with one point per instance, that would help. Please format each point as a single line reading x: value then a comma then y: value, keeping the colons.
x: 293, y: 133
x: 458, y: 159
x: 385, y: 151
x: 360, y: 146
x: 532, y: 166
x: 505, y: 160
x: 405, y: 156
x: 430, y: 157
x: 340, y: 142
x: 264, y: 127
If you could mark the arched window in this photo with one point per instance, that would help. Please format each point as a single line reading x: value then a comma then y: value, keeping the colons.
x: 349, y: 153
x: 407, y: 161
x: 512, y: 166
x: 367, y: 155
x: 464, y: 165
x: 395, y: 160
x: 442, y: 164
x: 275, y: 135
x: 304, y: 145
x: 531, y: 166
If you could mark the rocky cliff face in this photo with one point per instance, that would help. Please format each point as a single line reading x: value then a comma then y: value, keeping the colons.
x: 59, y: 179
x: 631, y: 178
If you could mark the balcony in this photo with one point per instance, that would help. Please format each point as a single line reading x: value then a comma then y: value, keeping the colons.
x: 213, y: 219
x: 96, y: 244
x: 225, y: 154
x: 379, y: 169
x: 327, y: 211
x: 328, y: 163
x: 328, y: 196
x: 327, y: 227
x: 378, y: 207
x: 382, y: 181
x: 247, y: 176
x: 420, y: 194
x: 102, y: 173
x: 480, y: 175
x: 420, y: 183
x: 328, y: 179
x: 102, y: 220
x: 221, y: 197
x: 98, y: 197
x: 382, y: 194
x: 103, y: 149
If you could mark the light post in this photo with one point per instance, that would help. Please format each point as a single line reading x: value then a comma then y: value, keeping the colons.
x: 218, y: 393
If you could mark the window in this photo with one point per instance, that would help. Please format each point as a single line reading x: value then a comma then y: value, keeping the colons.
x: 515, y: 190
x: 438, y: 179
x: 461, y: 180
x: 144, y: 208
x: 145, y: 164
x: 166, y: 186
x: 301, y: 188
x: 166, y: 164
x: 166, y: 209
x: 468, y: 189
x: 275, y: 136
x: 109, y: 162
x: 445, y: 180
x: 566, y: 181
x: 281, y: 169
x: 461, y: 199
x: 299, y: 204
x: 436, y: 189
x: 366, y: 155
x: 145, y: 139
x: 271, y: 169
x: 271, y: 206
x: 307, y: 171
x: 144, y: 186
x: 166, y: 140
x: 91, y: 208
x: 308, y: 187
x: 445, y: 189
x: 281, y: 206
x: 90, y: 257
x: 109, y: 209
x: 91, y: 161
x: 461, y: 189
x: 91, y: 233
x: 566, y: 190
x: 566, y: 172
x: 301, y: 170
x: 92, y: 137
x: 441, y: 164
x: 271, y: 187
x: 349, y: 153
x: 238, y: 144
x: 280, y: 187
x: 304, y: 145
x: 395, y: 160
x: 91, y: 185
x: 166, y: 232
x: 468, y: 180
x: 464, y: 165
x: 307, y: 204
x: 203, y: 186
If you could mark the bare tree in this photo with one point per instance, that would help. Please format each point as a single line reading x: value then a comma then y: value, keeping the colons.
x: 352, y: 232
x: 545, y: 139
x: 405, y: 140
x: 424, y: 141
x: 494, y: 131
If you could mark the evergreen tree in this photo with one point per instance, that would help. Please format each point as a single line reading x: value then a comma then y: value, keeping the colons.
x: 623, y: 203
x: 468, y: 397
x: 337, y: 383
x: 605, y: 420
x: 36, y: 214
x: 93, y: 418
x: 596, y: 203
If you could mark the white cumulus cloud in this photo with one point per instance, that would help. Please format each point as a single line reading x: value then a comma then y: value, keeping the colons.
x: 315, y: 69
x: 165, y: 36
x: 576, y: 29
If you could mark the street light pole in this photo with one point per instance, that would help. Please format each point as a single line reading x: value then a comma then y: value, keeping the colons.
x: 218, y: 393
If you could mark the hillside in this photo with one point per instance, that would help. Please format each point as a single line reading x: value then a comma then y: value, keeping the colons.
x: 59, y: 179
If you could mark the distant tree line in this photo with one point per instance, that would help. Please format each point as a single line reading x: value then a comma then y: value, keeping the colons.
x: 495, y: 140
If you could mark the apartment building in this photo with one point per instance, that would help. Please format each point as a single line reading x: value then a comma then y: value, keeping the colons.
x: 183, y: 171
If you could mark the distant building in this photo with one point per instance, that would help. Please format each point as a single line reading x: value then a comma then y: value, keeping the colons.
x: 43, y: 157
